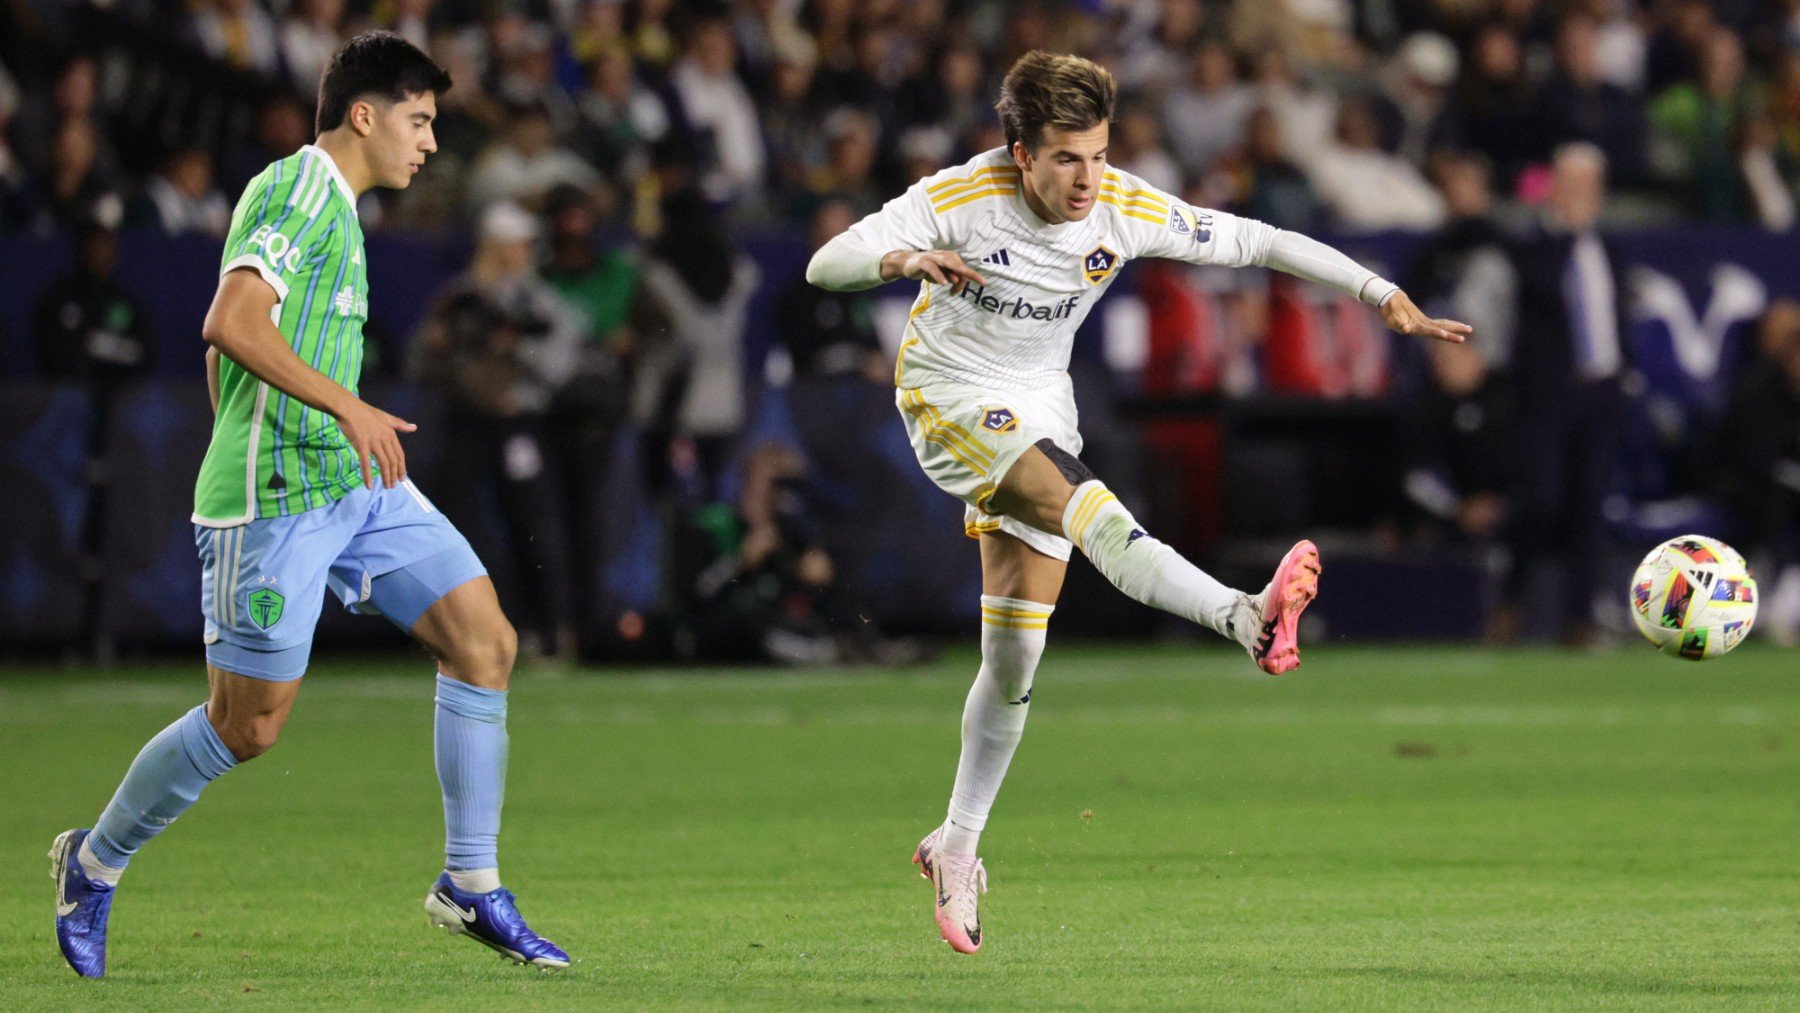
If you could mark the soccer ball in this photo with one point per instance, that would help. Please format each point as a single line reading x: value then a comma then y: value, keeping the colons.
x: 1693, y: 597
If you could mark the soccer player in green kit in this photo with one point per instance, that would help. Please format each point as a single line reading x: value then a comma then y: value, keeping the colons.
x: 304, y: 487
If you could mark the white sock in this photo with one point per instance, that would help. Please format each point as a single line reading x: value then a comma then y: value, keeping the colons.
x: 93, y: 867
x: 475, y: 880
x: 1012, y: 641
x: 1146, y: 569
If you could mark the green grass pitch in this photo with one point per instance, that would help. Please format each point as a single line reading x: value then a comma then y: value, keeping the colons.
x: 1385, y: 828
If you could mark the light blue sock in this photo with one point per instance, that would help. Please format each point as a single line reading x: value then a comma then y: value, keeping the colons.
x: 471, y: 768
x: 163, y: 781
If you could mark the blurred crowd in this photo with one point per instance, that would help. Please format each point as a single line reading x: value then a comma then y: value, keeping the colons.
x: 1322, y: 112
x: 605, y: 157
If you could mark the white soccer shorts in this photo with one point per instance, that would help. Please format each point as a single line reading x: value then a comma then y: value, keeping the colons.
x: 967, y: 438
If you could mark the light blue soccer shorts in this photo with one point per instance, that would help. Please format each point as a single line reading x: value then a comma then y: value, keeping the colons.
x: 381, y: 551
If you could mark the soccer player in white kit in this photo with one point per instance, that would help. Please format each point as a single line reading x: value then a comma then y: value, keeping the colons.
x: 985, y: 394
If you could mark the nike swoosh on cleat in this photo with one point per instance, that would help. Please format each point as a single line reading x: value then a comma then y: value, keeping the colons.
x: 64, y: 910
x: 467, y: 916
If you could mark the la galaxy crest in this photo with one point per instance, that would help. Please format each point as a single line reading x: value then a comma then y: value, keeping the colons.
x: 1098, y: 263
x: 999, y: 420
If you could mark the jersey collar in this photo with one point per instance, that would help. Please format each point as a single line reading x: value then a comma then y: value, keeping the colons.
x: 325, y: 156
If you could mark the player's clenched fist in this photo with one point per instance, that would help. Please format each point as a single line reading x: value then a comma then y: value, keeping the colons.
x: 1402, y: 317
x: 942, y: 267
x: 373, y: 433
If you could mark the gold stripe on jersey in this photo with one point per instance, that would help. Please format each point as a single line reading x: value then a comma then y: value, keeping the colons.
x: 1127, y: 210
x: 977, y: 195
x: 992, y: 170
x: 1109, y: 194
x: 1117, y: 185
x: 920, y: 305
x: 962, y: 188
x: 900, y: 360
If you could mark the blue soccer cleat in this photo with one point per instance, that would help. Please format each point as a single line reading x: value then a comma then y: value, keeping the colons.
x: 492, y: 920
x: 82, y: 906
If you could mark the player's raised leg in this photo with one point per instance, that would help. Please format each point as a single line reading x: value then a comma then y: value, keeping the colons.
x: 1020, y: 586
x: 241, y: 720
x: 475, y: 645
x: 1052, y: 491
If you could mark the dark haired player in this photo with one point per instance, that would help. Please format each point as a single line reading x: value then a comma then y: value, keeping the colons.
x: 984, y: 391
x: 288, y: 504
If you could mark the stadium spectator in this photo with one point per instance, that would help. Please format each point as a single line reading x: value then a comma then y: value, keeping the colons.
x: 83, y: 190
x: 1137, y: 147
x: 1680, y: 31
x: 281, y: 126
x: 1697, y: 122
x: 1496, y: 110
x: 1259, y: 182
x: 1306, y: 115
x: 74, y: 97
x: 1581, y: 105
x: 88, y: 325
x: 1205, y: 114
x: 1417, y: 93
x: 617, y: 119
x: 691, y: 399
x: 827, y: 334
x: 848, y: 173
x: 181, y: 198
x: 1568, y: 364
x: 1153, y: 60
x: 1758, y: 450
x: 238, y: 34
x: 17, y: 199
x: 527, y: 164
x: 1363, y: 186
x: 717, y: 107
x: 1464, y: 270
x: 500, y: 343
x: 959, y: 104
x: 757, y: 581
x: 793, y: 108
x: 587, y: 413
x: 412, y: 19
x: 1458, y: 447
x: 310, y: 34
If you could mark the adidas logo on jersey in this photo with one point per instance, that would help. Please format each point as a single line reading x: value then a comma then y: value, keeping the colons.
x: 998, y: 257
x: 1018, y: 308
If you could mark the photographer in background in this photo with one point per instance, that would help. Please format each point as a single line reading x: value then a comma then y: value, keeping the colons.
x: 500, y: 344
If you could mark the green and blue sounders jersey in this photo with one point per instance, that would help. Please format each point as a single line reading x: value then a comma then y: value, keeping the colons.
x: 270, y: 455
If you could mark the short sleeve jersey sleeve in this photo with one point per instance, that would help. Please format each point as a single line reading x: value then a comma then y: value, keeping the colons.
x: 904, y: 223
x: 273, y: 222
x: 1159, y: 224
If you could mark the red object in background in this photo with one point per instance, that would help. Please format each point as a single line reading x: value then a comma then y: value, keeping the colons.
x: 1324, y: 345
x: 1186, y: 357
x: 1186, y: 333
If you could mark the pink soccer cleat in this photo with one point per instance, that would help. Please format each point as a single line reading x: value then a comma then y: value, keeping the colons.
x: 1276, y: 648
x: 959, y: 880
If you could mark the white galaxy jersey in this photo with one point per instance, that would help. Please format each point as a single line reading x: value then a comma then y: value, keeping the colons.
x: 1015, y: 333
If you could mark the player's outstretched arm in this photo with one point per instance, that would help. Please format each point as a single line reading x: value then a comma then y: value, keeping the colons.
x: 238, y: 326
x: 1402, y: 317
